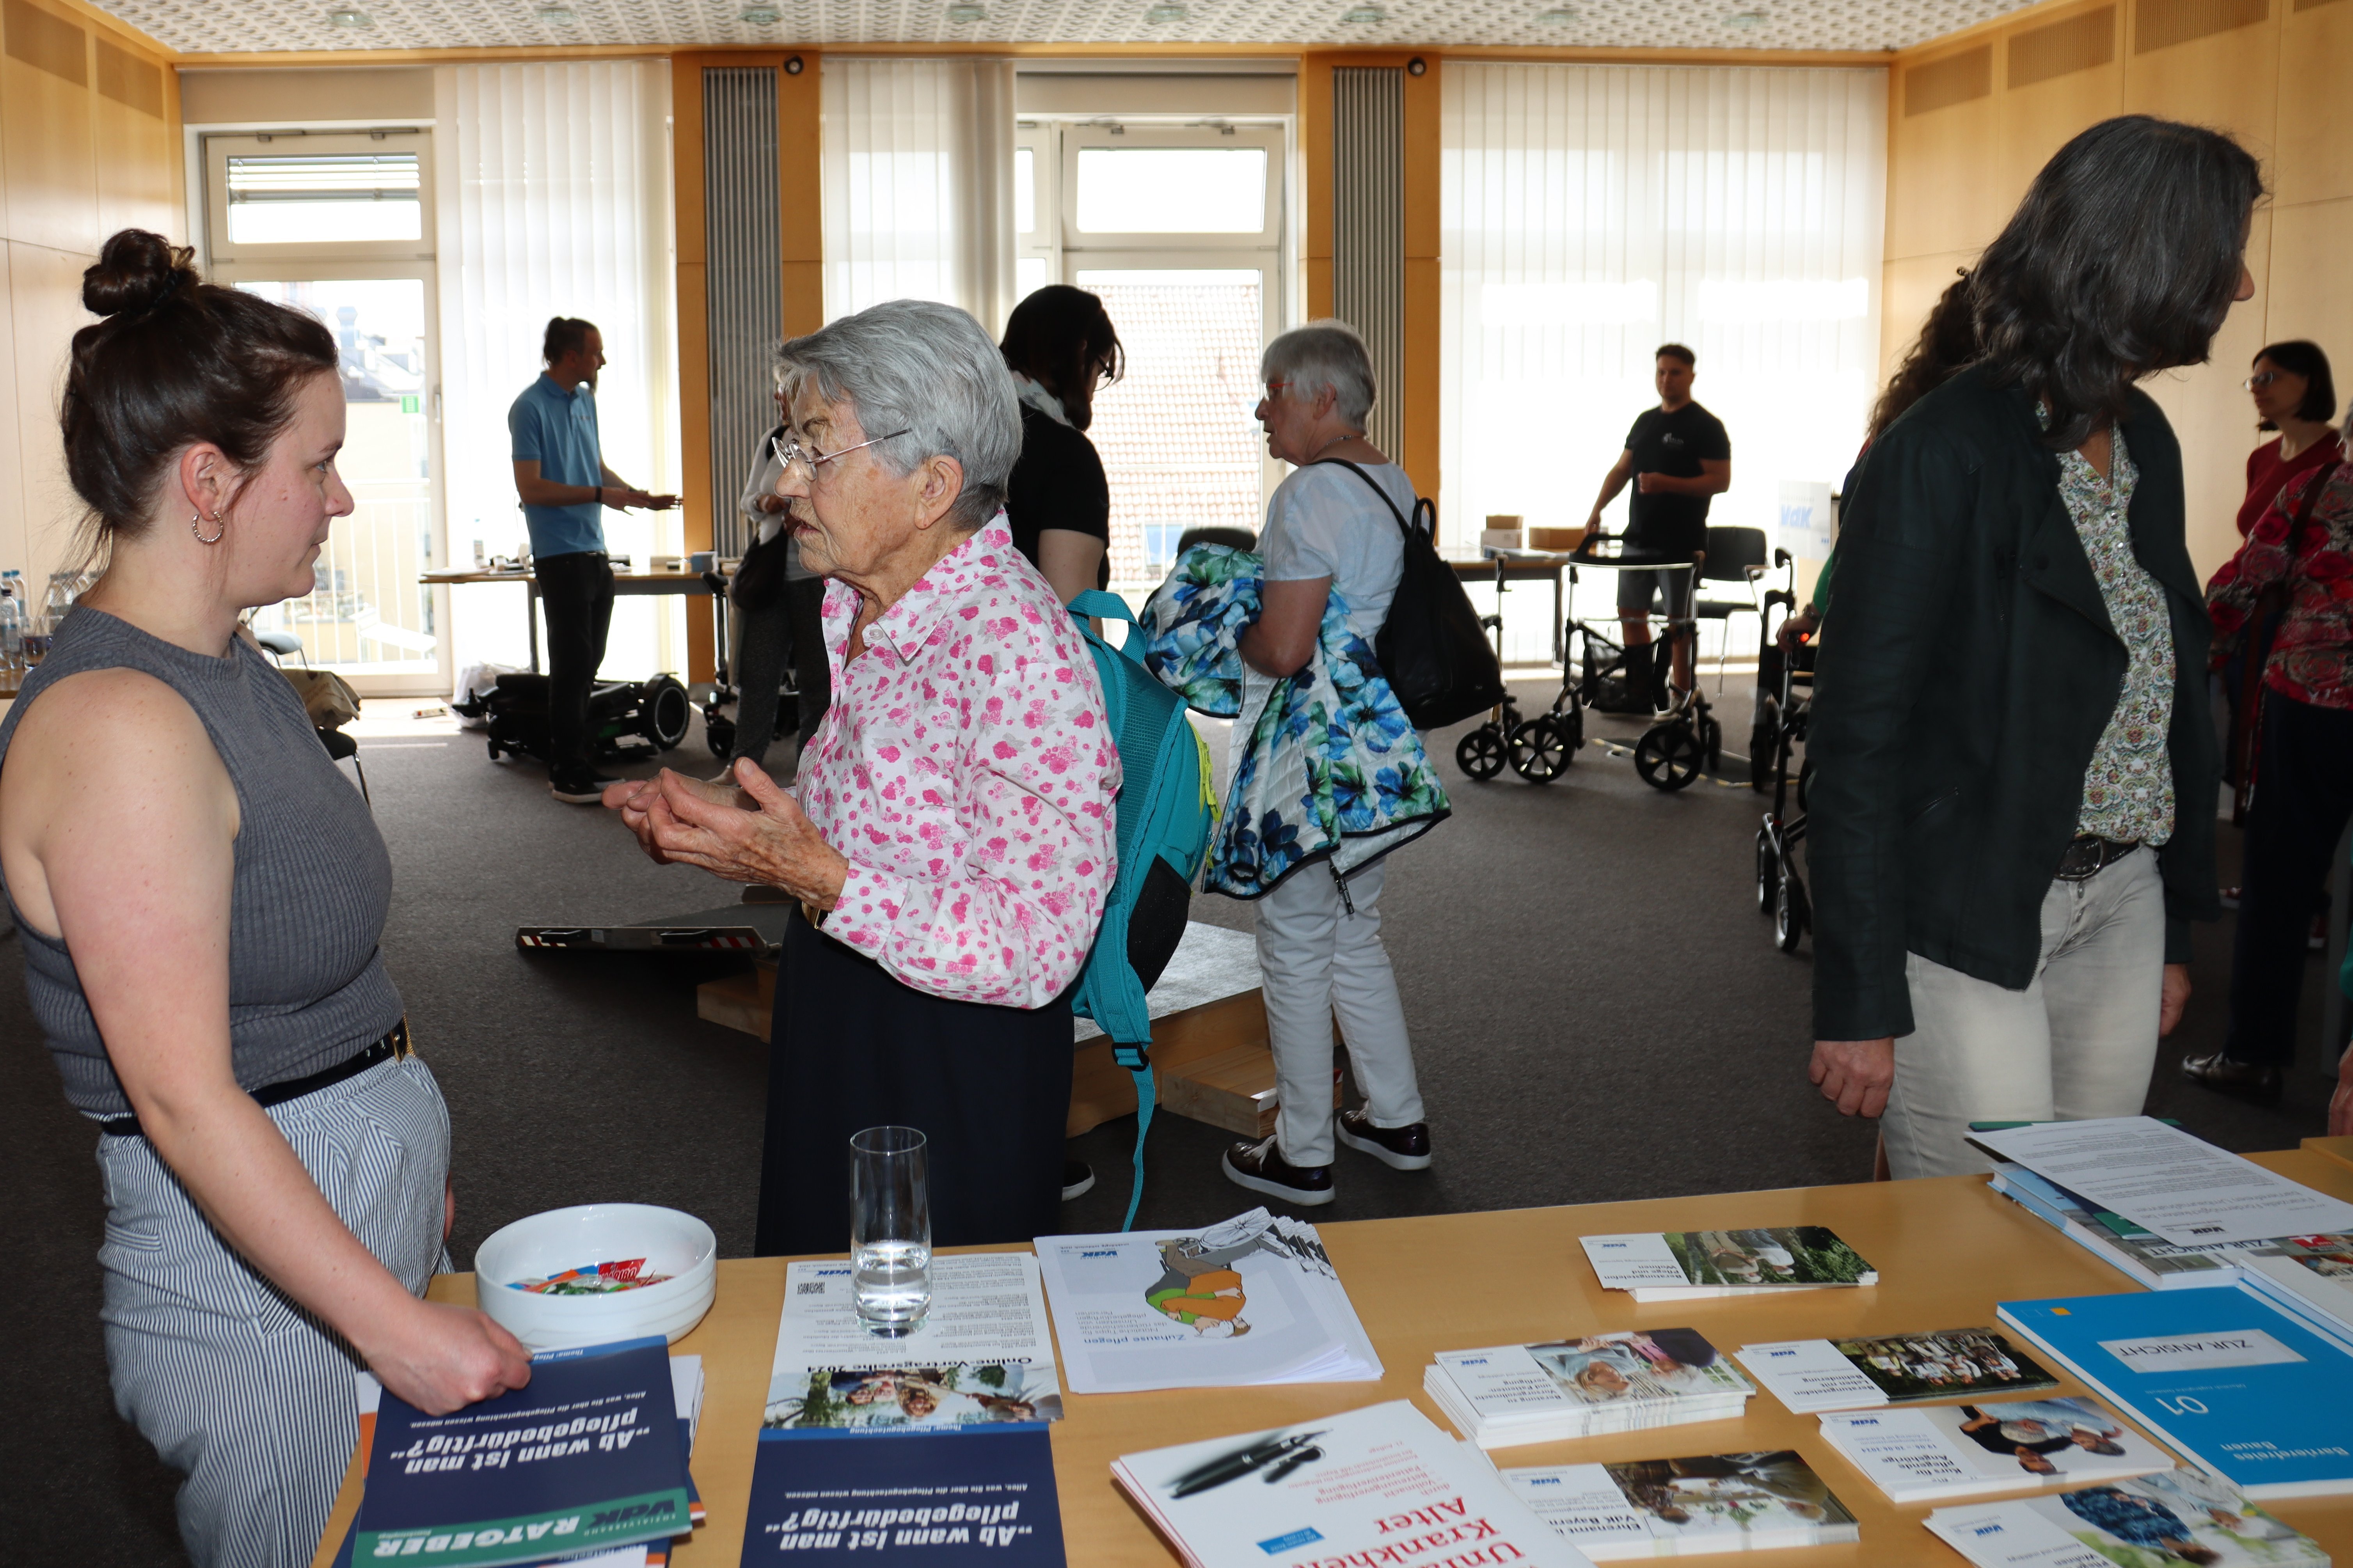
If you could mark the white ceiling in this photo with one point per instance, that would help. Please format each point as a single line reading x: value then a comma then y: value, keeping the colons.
x: 204, y: 26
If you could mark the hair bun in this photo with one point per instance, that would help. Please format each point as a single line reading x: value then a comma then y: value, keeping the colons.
x: 137, y: 271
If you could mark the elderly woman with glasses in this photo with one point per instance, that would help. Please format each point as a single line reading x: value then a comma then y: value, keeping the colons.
x: 951, y: 846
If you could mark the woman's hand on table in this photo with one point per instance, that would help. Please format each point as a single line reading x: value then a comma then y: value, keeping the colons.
x: 753, y: 833
x: 441, y: 1358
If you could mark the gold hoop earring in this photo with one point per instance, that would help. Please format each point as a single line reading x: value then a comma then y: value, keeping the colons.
x: 196, y: 527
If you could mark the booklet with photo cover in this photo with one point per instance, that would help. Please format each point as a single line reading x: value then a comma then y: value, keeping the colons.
x: 2125, y: 1246
x: 1672, y: 1508
x: 1932, y: 1452
x: 983, y: 1358
x: 1682, y: 1265
x: 1380, y: 1485
x: 2168, y: 1517
x: 1252, y: 1301
x: 1893, y: 1369
x: 2311, y: 1275
x: 1579, y: 1388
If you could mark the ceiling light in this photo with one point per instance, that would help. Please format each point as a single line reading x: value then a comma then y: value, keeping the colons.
x: 1364, y: 17
x: 348, y: 18
x: 1163, y: 15
x: 760, y: 16
x: 967, y: 13
x: 557, y: 16
x: 1557, y: 17
x: 1744, y: 21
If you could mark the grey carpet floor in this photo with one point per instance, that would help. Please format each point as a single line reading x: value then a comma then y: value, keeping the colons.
x: 1597, y: 1011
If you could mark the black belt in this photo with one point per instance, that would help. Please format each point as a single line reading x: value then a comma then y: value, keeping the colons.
x: 394, y: 1045
x: 2090, y: 855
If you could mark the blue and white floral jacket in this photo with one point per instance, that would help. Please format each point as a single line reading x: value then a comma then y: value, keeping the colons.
x: 1325, y: 766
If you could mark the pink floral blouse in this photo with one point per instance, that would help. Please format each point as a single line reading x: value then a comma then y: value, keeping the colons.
x: 966, y: 771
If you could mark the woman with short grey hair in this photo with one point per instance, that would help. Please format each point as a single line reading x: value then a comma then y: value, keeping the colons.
x: 1335, y: 533
x: 951, y: 846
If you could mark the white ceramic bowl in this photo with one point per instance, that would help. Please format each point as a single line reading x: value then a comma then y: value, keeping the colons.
x: 671, y: 1243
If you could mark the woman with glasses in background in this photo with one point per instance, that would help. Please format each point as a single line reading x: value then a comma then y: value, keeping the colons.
x: 952, y: 845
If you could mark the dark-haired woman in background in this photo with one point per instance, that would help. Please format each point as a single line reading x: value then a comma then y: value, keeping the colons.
x: 201, y: 895
x: 1060, y: 344
x: 2295, y: 396
x: 2011, y: 694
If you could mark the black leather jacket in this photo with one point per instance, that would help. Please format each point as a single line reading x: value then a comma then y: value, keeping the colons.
x: 1968, y: 669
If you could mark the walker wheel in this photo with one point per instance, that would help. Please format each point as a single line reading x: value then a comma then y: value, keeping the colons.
x: 1768, y: 870
x: 1764, y: 743
x: 1711, y: 736
x: 1568, y: 723
x: 1480, y: 753
x: 1790, y: 914
x: 494, y: 751
x: 1539, y: 751
x: 1668, y: 756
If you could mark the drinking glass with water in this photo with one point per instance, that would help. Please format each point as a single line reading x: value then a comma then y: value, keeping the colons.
x: 889, y: 1230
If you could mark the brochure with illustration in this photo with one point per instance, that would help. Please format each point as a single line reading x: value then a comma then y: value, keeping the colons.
x: 1809, y: 1375
x: 1931, y: 1453
x: 2309, y: 1275
x: 2175, y: 1184
x: 2130, y: 1249
x: 1675, y: 1508
x: 2169, y: 1517
x: 1579, y: 1388
x: 949, y: 1499
x: 1682, y: 1266
x: 1252, y: 1301
x: 2234, y: 1384
x: 584, y: 1457
x: 983, y: 1358
x: 1376, y: 1485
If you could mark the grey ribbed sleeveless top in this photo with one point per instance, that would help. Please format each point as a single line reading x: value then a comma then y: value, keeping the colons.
x: 307, y: 987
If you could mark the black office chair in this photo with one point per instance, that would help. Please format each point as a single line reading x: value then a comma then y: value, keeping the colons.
x: 1232, y: 538
x: 341, y: 747
x: 1733, y: 555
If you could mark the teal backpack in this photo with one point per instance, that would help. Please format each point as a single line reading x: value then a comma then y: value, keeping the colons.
x: 1165, y: 810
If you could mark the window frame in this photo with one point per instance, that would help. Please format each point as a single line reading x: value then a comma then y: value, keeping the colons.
x: 1271, y: 139
x: 220, y: 146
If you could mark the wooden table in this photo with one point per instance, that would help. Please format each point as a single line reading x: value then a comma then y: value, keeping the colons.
x: 625, y: 584
x: 1947, y: 1250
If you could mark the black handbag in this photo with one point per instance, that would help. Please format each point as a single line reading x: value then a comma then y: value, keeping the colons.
x: 1432, y: 648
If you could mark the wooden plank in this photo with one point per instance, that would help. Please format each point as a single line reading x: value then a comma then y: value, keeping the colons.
x: 746, y: 1001
x: 1101, y: 1089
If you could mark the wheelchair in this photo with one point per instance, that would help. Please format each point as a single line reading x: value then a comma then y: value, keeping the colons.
x: 1785, y: 686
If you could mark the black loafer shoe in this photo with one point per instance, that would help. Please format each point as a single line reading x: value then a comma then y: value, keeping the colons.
x: 2258, y: 1081
x: 1263, y: 1170
x: 1078, y: 1179
x: 1399, y: 1148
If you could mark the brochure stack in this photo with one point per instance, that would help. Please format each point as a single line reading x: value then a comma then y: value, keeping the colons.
x: 2170, y: 1516
x: 1623, y: 1381
x: 1693, y: 1265
x: 1930, y: 1453
x: 1673, y: 1508
x: 1871, y: 1373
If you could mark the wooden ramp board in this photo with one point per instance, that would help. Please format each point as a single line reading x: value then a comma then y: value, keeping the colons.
x: 1209, y: 1047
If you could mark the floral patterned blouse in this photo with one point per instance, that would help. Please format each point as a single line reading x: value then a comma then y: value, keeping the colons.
x: 966, y: 771
x: 2128, y: 788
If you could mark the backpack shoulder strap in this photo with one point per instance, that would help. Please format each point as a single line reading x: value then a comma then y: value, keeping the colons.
x: 1375, y: 486
x: 1110, y: 608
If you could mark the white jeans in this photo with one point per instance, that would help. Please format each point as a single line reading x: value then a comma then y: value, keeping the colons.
x: 1315, y: 957
x: 2078, y: 1042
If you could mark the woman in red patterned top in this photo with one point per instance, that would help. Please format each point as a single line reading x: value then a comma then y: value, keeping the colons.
x: 2303, y: 544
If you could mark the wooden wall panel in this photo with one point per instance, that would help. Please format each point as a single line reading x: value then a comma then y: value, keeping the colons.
x: 51, y: 170
x: 2038, y: 119
x: 45, y: 302
x: 800, y: 124
x: 13, y: 552
x: 2313, y: 156
x: 137, y: 160
x: 2228, y: 79
x: 2213, y: 419
x: 1908, y: 290
x: 1943, y: 186
x: 2311, y: 245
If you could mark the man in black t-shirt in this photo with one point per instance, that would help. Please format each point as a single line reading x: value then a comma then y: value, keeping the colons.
x: 1678, y: 455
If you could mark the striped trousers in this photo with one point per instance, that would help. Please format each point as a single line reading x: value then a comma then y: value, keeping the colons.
x: 233, y: 1383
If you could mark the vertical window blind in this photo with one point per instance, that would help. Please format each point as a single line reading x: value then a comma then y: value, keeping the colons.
x: 1591, y: 213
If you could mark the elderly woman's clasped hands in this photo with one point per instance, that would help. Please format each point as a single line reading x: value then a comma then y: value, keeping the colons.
x: 753, y: 831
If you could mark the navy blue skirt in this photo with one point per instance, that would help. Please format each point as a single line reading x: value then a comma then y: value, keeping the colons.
x: 851, y: 1047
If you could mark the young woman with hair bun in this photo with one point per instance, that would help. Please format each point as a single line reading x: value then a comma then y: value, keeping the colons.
x: 201, y: 894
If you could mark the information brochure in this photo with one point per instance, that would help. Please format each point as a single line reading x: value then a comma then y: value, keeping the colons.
x: 1672, y: 1508
x: 2123, y: 1244
x: 1380, y: 1485
x: 984, y: 1356
x: 585, y: 1457
x: 944, y: 1499
x: 1928, y: 1454
x: 1686, y: 1265
x: 2172, y: 1516
x: 1252, y: 1301
x: 2311, y: 1276
x: 1580, y: 1388
x: 1893, y: 1369
x: 2235, y: 1385
x: 2180, y: 1187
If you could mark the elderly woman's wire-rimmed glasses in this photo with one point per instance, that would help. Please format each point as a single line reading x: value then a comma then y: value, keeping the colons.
x: 791, y: 454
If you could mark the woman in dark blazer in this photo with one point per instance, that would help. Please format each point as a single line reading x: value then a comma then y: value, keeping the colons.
x: 2014, y: 769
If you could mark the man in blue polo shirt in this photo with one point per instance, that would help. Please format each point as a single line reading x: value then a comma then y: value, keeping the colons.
x: 561, y: 476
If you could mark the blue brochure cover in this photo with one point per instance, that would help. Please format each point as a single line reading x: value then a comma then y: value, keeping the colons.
x: 2240, y: 1387
x: 978, y: 1495
x: 584, y: 1457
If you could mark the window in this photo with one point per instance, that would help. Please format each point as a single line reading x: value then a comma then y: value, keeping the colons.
x: 295, y: 198
x: 1171, y: 190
